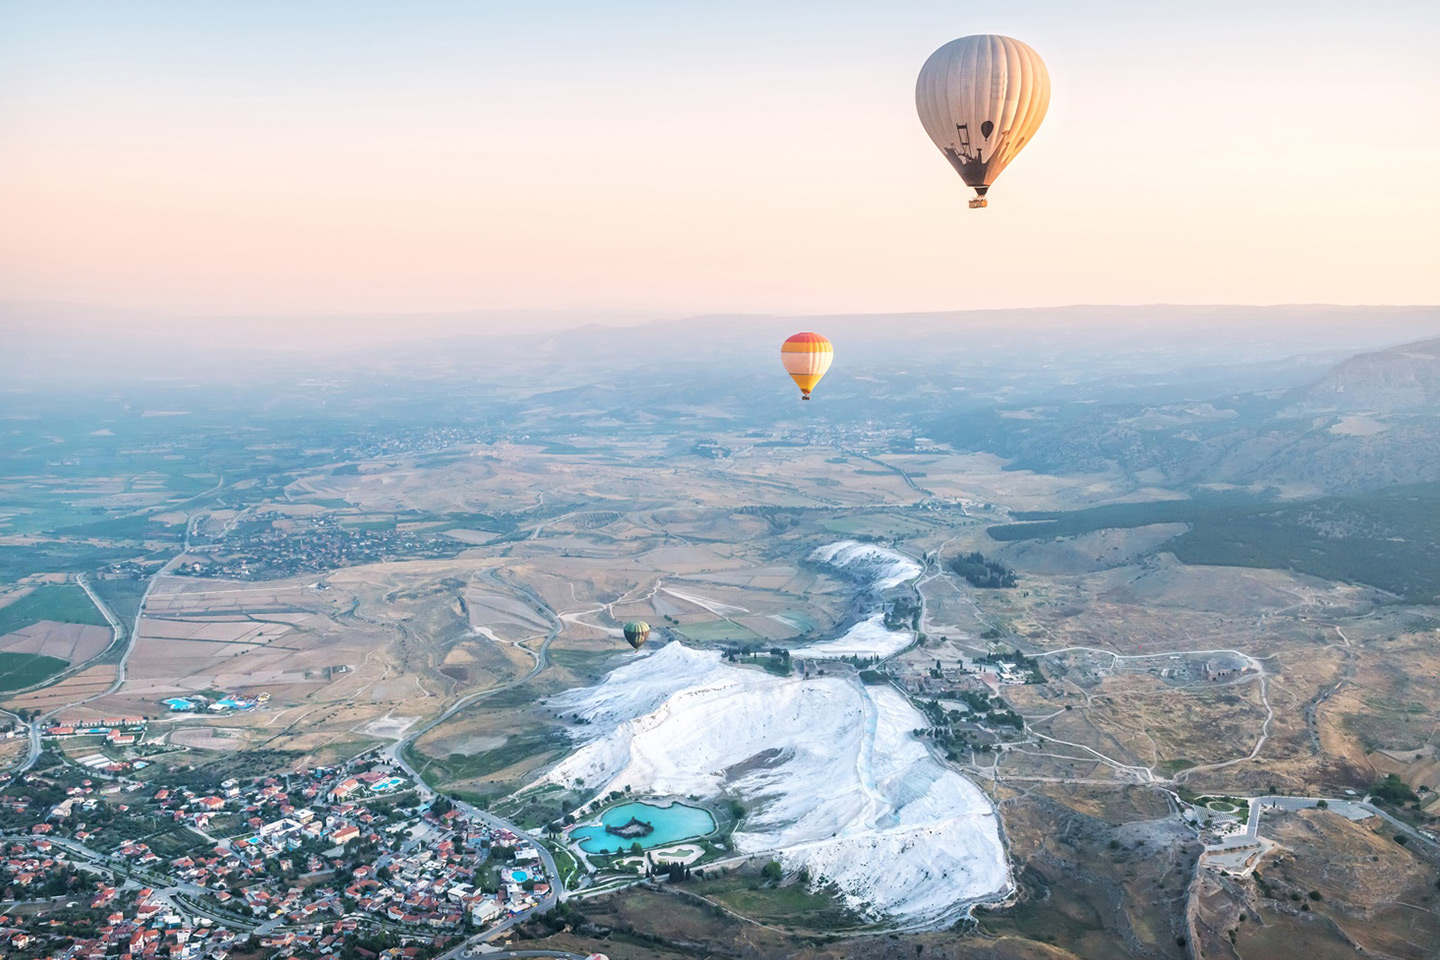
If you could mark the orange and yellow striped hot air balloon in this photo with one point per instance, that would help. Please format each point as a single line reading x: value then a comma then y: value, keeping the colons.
x: 806, y: 357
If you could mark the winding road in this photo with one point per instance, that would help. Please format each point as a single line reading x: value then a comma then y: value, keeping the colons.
x: 123, y: 636
x: 395, y: 754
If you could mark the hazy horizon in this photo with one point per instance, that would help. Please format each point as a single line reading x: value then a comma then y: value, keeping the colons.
x: 362, y: 329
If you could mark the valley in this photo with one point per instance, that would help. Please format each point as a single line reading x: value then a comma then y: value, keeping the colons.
x: 1069, y: 761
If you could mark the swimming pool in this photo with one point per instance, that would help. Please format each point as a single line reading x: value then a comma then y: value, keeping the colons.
x: 672, y: 823
x: 519, y: 876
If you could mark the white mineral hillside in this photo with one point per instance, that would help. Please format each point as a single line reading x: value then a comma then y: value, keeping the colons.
x: 828, y: 770
x: 869, y: 636
x: 879, y: 566
x: 880, y: 569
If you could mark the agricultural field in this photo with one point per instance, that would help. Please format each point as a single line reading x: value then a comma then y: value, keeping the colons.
x: 69, y: 642
x: 1166, y: 655
x: 72, y: 690
x: 20, y: 670
x: 58, y: 603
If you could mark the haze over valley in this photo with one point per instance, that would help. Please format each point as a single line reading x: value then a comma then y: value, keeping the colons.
x: 1042, y: 639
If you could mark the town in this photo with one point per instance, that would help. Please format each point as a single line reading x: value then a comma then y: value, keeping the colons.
x: 352, y: 859
x: 258, y: 550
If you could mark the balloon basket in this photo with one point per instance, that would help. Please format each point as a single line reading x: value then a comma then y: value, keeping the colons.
x: 978, y: 202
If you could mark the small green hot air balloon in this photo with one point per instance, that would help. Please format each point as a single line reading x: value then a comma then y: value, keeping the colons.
x: 636, y: 633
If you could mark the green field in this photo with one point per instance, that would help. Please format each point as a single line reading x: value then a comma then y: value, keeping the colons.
x: 360, y: 523
x: 122, y: 596
x: 126, y: 528
x: 790, y: 905
x: 56, y: 557
x: 1388, y: 539
x: 61, y: 602
x: 591, y: 663
x: 20, y: 670
x: 804, y: 620
x: 882, y: 525
x: 457, y: 766
x: 717, y: 631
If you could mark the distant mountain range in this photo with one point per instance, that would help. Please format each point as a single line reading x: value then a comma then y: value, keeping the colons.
x: 1371, y: 421
x: 1306, y: 398
x: 1406, y: 377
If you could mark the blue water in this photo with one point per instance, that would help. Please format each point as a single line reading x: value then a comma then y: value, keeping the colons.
x: 519, y: 876
x: 673, y: 823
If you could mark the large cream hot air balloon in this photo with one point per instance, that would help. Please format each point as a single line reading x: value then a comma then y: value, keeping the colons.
x: 981, y: 99
x: 806, y: 357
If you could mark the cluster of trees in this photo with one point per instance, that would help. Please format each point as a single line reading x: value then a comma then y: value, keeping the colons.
x: 712, y: 449
x: 777, y: 661
x: 981, y: 572
x: 734, y: 653
x: 60, y: 882
x: 674, y: 872
x: 369, y: 942
x: 1393, y: 791
x: 780, y: 519
x: 943, y: 729
x: 904, y: 612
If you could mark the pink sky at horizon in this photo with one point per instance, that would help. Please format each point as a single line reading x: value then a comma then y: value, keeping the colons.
x: 761, y: 167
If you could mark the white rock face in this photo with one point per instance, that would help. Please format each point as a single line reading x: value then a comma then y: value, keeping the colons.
x: 869, y: 636
x: 829, y: 772
x: 879, y: 569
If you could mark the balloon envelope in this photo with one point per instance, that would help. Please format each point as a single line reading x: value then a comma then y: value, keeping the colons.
x: 806, y: 357
x: 636, y: 633
x: 981, y: 99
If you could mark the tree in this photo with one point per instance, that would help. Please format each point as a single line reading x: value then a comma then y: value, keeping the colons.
x: 772, y: 871
x: 1392, y: 790
x: 982, y: 572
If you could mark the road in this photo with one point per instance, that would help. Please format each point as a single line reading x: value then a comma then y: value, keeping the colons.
x: 395, y: 754
x: 1147, y: 774
x: 904, y: 474
x: 169, y: 890
x: 552, y: 954
x: 117, y: 636
x: 122, y: 636
x: 126, y: 638
x: 1350, y: 809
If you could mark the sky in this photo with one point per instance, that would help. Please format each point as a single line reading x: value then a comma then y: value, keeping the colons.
x: 647, y: 159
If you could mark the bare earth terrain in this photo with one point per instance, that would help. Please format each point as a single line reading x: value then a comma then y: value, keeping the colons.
x: 1155, y: 682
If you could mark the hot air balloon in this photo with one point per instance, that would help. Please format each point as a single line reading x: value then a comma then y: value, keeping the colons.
x: 806, y: 357
x: 636, y: 633
x: 981, y: 99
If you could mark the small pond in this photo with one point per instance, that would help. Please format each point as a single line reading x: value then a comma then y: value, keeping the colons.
x: 670, y: 824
